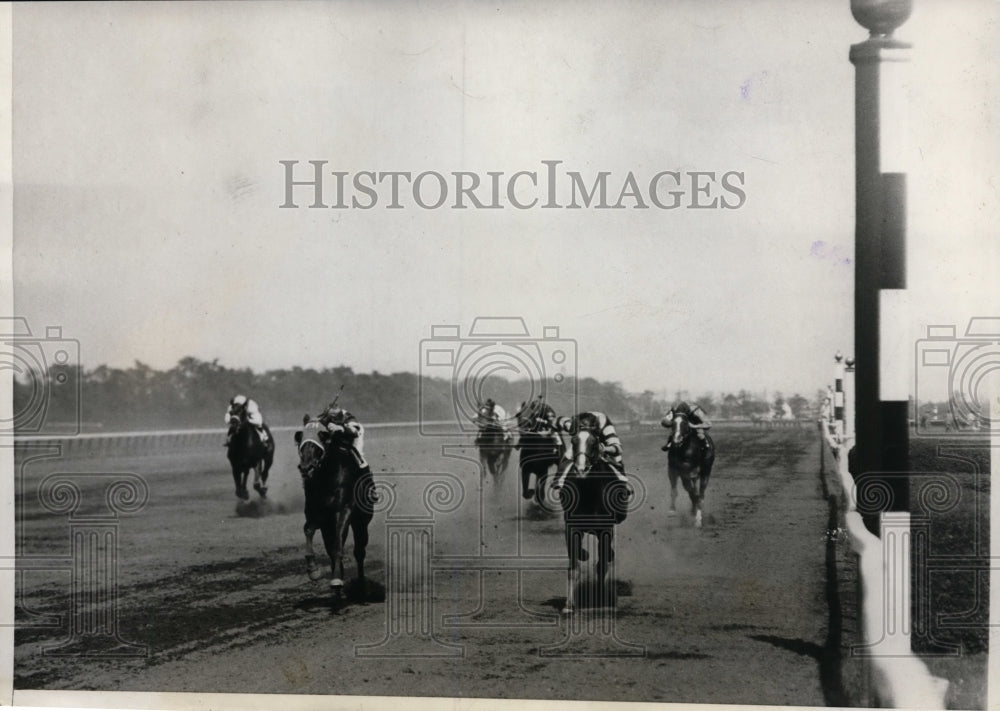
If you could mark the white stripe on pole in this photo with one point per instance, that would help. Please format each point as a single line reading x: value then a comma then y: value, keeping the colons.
x: 849, y: 399
x: 895, y: 154
x: 838, y: 395
x: 895, y: 345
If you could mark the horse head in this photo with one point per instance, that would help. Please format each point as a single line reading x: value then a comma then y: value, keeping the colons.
x: 681, y: 431
x: 312, y: 448
x: 238, y: 415
x: 585, y: 451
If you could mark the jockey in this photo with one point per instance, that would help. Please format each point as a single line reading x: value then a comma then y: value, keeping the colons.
x: 340, y: 422
x: 610, y: 446
x: 541, y: 419
x: 254, y: 417
x: 496, y: 415
x: 699, y: 422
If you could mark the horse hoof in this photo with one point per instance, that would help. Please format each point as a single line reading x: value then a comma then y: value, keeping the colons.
x: 337, y: 584
x: 312, y: 569
x: 242, y: 493
x: 528, y: 494
x: 697, y: 520
x: 583, y: 555
x: 568, y: 610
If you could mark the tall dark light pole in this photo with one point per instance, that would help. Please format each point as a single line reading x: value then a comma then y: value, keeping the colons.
x: 882, y: 377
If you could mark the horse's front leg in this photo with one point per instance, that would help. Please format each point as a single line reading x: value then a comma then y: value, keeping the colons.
x: 702, y: 485
x: 526, y: 491
x: 241, y: 483
x: 311, y: 567
x: 484, y: 465
x: 673, y: 493
x: 359, y: 528
x: 695, y: 491
x: 260, y: 476
x: 337, y: 559
x: 574, y: 547
x: 256, y: 478
x: 606, y: 546
x: 236, y: 479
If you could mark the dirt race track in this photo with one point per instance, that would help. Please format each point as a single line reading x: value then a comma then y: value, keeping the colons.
x: 216, y: 595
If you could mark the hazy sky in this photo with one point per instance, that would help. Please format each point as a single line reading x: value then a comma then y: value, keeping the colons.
x: 147, y: 141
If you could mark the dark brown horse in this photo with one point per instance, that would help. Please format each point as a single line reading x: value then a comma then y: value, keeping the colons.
x: 594, y: 501
x: 537, y: 454
x: 338, y: 497
x: 687, y: 461
x: 247, y: 452
x: 493, y: 443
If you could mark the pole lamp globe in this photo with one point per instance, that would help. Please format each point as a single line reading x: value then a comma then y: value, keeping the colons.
x: 881, y: 17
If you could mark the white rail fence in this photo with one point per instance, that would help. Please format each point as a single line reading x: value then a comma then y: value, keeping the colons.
x: 898, y: 678
x: 99, y: 444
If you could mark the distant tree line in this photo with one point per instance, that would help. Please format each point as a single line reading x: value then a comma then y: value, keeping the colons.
x: 194, y: 393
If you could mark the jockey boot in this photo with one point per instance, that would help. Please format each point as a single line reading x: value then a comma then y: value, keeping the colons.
x: 229, y: 437
x: 706, y: 446
x: 665, y: 448
x: 262, y: 433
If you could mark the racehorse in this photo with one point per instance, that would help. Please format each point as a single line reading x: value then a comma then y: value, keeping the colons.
x: 686, y: 460
x: 494, y: 446
x: 337, y: 497
x: 594, y: 500
x: 537, y: 455
x: 246, y: 452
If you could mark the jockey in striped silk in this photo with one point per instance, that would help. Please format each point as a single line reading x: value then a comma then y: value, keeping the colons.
x: 599, y: 425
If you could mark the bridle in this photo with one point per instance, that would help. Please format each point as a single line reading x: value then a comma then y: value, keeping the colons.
x: 313, y: 440
x: 587, y: 443
x: 677, y: 437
